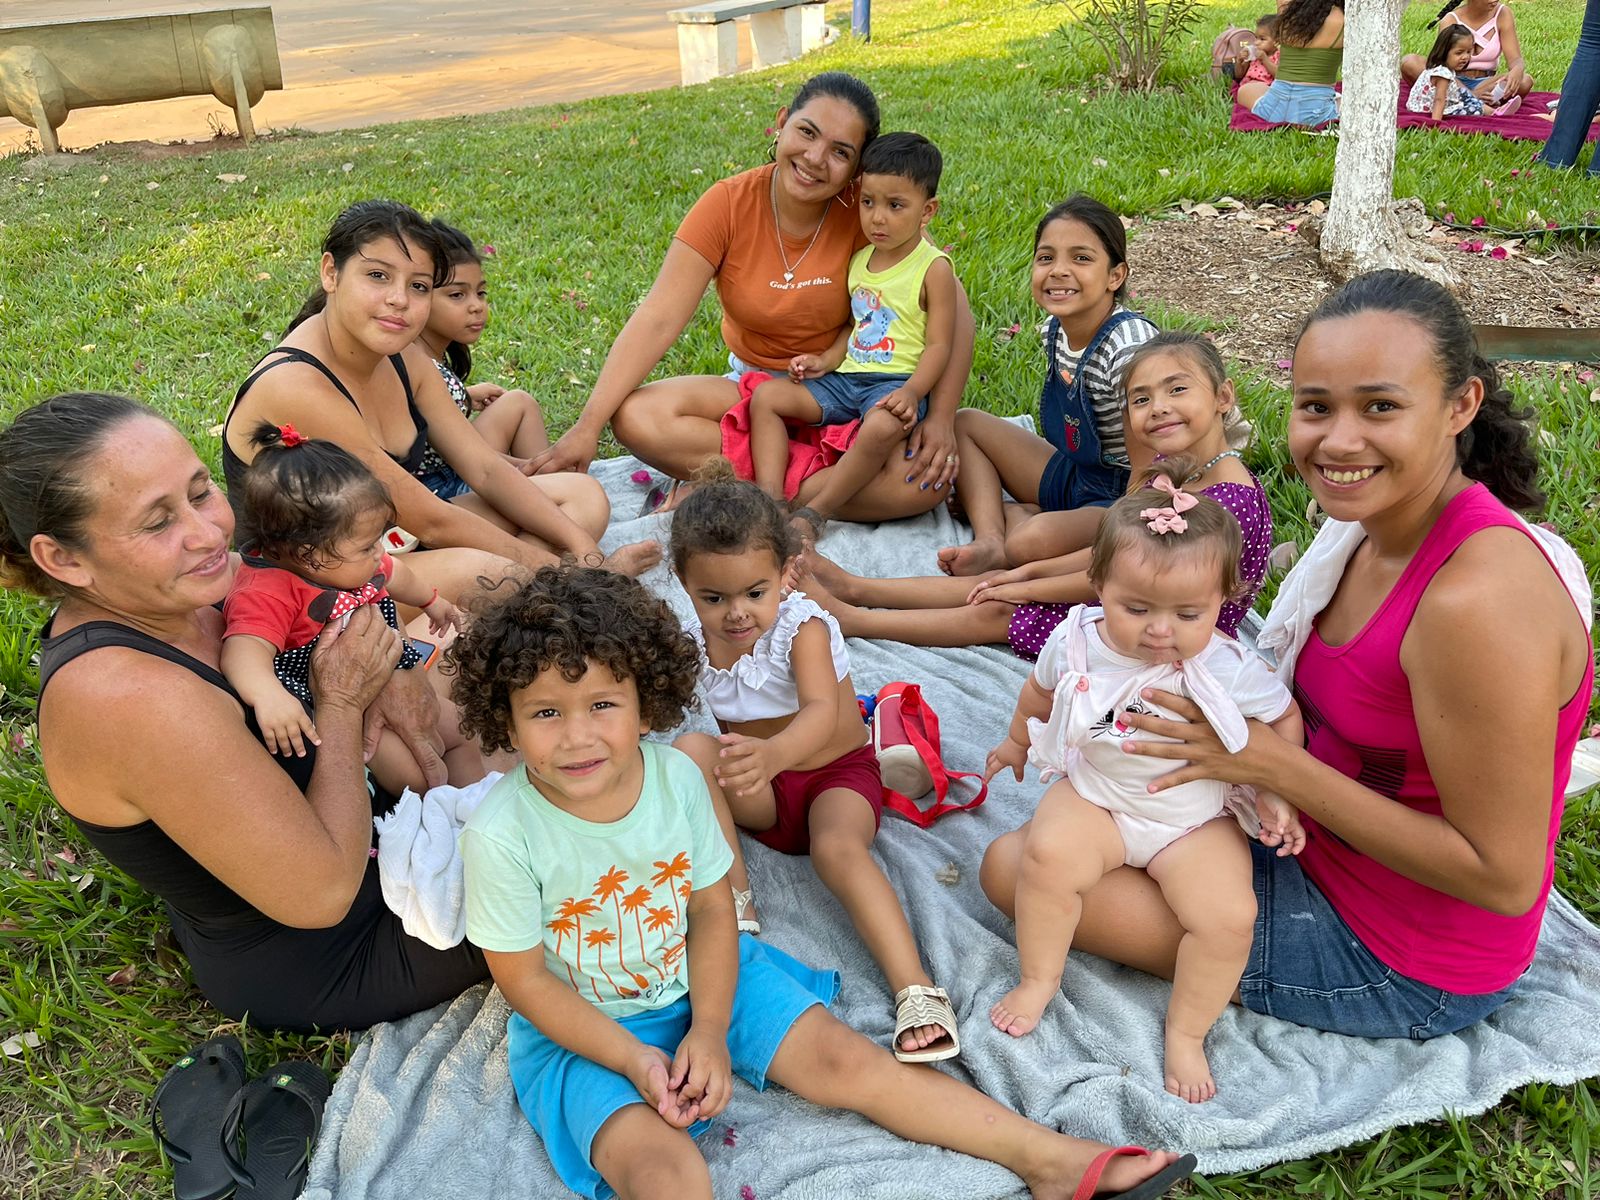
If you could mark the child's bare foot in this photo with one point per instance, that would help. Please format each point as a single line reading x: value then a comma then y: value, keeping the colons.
x: 1019, y: 1010
x: 635, y: 558
x: 1062, y: 1176
x: 826, y: 575
x: 1188, y: 1072
x: 976, y: 557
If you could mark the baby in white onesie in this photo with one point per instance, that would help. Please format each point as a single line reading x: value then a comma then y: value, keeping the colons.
x: 1163, y: 562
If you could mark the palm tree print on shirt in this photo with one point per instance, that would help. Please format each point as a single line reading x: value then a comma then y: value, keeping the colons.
x: 674, y: 877
x: 666, y: 872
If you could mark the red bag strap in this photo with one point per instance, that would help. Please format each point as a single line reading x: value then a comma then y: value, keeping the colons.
x: 922, y: 731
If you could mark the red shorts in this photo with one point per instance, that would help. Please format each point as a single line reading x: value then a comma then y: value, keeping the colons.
x: 794, y: 792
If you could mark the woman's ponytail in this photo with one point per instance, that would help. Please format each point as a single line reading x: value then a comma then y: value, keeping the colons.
x: 1450, y: 7
x: 1497, y: 449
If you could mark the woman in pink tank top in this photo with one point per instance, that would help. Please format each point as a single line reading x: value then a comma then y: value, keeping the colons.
x: 1495, y: 30
x: 1444, y: 686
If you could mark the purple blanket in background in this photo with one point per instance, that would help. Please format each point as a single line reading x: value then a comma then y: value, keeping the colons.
x: 1524, y: 125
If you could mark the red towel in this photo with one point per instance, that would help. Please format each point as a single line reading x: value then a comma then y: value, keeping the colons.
x: 1523, y: 125
x: 811, y: 447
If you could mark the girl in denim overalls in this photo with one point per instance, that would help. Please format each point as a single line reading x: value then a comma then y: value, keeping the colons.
x: 1064, y: 480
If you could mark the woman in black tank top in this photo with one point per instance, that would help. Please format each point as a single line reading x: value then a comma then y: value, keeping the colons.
x: 262, y: 863
x: 349, y: 370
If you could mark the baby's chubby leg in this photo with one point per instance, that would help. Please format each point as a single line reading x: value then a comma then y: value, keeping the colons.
x: 1205, y: 877
x: 1071, y: 844
x: 644, y: 1158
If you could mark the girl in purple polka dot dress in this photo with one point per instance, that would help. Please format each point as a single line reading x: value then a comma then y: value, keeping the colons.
x: 1179, y: 401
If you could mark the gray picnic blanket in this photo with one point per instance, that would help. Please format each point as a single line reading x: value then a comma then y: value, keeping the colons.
x: 425, y: 1106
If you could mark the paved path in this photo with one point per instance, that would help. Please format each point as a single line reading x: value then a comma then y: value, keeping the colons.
x: 348, y: 63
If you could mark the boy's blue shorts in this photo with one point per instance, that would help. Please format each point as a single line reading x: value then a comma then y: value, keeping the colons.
x: 1307, y: 966
x: 567, y: 1098
x: 848, y: 397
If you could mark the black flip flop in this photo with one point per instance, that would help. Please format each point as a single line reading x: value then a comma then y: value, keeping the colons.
x: 270, y: 1128
x: 186, y: 1116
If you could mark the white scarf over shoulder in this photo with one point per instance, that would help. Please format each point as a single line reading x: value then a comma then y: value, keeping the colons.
x: 1310, y: 585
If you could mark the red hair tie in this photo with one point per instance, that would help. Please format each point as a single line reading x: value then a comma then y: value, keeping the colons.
x: 290, y: 436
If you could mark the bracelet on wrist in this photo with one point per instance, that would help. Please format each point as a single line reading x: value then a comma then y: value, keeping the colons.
x: 430, y: 600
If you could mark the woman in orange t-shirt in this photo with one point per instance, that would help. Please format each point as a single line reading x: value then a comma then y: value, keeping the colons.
x: 777, y: 241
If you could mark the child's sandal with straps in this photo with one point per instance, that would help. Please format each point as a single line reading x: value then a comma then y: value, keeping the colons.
x: 742, y: 903
x: 920, y: 1005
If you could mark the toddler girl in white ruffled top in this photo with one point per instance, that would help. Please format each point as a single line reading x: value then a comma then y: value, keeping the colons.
x: 792, y: 766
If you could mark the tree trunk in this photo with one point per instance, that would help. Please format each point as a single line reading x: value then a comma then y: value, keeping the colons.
x: 1362, y: 231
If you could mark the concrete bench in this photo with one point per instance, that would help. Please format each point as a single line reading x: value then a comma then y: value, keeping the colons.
x: 780, y: 30
x: 49, y: 68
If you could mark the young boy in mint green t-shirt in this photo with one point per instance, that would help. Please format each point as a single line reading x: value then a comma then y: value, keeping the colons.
x: 597, y: 888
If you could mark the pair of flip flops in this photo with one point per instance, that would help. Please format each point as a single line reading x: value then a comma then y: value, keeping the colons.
x: 226, y: 1137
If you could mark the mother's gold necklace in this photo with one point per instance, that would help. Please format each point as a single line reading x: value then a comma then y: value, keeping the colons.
x: 788, y: 267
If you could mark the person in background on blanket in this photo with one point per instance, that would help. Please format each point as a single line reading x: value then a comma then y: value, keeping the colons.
x: 1163, y: 563
x: 596, y: 883
x: 1494, y: 34
x: 1310, y: 51
x: 1257, y: 61
x: 262, y: 861
x: 1178, y: 402
x: 792, y: 765
x: 350, y: 370
x: 1064, y: 480
x: 1437, y: 646
x: 510, y: 420
x: 879, y: 369
x: 776, y: 241
x: 1439, y: 91
x: 313, y: 519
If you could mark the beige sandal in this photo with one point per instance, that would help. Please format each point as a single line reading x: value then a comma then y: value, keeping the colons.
x: 918, y: 1005
x: 741, y: 902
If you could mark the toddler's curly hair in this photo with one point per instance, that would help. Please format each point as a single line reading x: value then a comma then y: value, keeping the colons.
x: 567, y: 617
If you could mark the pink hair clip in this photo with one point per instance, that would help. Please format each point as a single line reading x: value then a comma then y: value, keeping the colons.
x: 1168, y: 520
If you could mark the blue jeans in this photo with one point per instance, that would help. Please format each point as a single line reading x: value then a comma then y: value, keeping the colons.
x: 1580, y: 96
x: 1307, y: 966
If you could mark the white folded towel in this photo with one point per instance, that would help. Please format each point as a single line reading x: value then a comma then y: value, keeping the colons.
x: 419, y: 860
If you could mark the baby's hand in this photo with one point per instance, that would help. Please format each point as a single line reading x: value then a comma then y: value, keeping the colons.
x: 284, y: 725
x: 902, y: 406
x: 744, y: 764
x: 1280, y: 824
x: 805, y: 366
x: 1009, y: 753
x: 702, y: 1075
x: 481, y: 395
x: 442, y: 615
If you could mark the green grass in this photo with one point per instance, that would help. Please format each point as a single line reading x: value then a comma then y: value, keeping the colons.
x: 157, y: 279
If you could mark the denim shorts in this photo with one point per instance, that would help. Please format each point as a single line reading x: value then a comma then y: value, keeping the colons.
x: 1307, y: 966
x: 1309, y: 104
x: 567, y: 1098
x: 1068, y: 484
x: 445, y: 484
x: 846, y: 397
x: 737, y: 367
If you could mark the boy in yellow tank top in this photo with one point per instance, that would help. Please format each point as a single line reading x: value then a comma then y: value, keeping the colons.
x: 881, y: 367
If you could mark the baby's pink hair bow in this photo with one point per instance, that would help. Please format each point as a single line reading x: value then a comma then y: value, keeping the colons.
x: 1167, y: 520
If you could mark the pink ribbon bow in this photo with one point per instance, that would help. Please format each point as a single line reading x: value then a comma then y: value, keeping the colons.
x: 1167, y: 520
